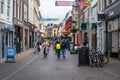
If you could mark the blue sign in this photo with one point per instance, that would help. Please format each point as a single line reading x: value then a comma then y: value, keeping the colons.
x: 9, y: 27
x: 10, y: 52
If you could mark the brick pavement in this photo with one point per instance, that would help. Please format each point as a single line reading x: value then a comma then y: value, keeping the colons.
x: 113, y: 67
x: 24, y: 54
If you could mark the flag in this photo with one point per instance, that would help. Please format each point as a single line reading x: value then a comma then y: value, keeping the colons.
x: 81, y: 4
x: 87, y: 3
x: 67, y: 25
x: 64, y: 3
x: 44, y: 25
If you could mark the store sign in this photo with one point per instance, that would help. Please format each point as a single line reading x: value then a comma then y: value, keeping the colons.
x: 110, y: 13
x: 9, y: 27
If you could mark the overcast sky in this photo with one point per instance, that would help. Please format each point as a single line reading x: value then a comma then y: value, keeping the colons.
x: 49, y: 10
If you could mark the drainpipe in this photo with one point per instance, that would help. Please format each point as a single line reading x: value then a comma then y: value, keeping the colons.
x: 106, y: 31
x: 119, y: 39
x: 0, y: 45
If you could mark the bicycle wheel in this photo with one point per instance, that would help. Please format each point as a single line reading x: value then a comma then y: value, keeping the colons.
x: 105, y: 60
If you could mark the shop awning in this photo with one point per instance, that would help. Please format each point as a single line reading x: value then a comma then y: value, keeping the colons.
x: 84, y: 26
x: 35, y: 26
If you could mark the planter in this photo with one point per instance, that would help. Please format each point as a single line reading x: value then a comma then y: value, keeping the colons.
x: 73, y: 29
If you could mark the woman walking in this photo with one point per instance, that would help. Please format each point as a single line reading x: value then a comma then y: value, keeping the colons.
x: 45, y: 48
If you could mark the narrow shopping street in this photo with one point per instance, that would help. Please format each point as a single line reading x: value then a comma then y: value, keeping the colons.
x: 36, y: 67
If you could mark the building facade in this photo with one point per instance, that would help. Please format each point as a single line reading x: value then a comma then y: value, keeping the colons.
x: 20, y: 19
x: 112, y: 26
x: 6, y: 27
x: 49, y: 30
x: 36, y: 19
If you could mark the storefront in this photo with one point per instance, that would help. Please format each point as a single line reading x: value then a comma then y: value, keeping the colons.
x: 31, y: 35
x: 6, y: 38
x: 18, y: 38
x: 113, y: 27
x: 18, y: 35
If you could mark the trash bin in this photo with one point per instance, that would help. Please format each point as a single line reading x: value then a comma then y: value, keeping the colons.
x: 83, y: 56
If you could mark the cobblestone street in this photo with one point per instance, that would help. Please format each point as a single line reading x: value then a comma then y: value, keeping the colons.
x: 36, y: 67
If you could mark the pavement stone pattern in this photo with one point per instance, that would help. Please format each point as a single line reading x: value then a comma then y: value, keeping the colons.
x: 36, y: 67
x: 24, y: 54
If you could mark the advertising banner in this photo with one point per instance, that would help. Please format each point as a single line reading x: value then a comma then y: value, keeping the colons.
x: 10, y: 55
x: 10, y: 52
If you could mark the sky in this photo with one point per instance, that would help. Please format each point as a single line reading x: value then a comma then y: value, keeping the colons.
x: 49, y: 10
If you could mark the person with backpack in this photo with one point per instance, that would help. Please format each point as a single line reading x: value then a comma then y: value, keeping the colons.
x: 57, y: 48
x: 67, y: 43
x: 63, y: 48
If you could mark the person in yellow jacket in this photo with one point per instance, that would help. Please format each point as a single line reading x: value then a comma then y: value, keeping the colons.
x: 57, y: 48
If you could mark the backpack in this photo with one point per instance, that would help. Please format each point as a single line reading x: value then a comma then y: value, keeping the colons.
x: 58, y: 46
x: 63, y: 45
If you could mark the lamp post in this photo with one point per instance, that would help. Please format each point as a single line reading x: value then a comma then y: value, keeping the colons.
x: 73, y: 30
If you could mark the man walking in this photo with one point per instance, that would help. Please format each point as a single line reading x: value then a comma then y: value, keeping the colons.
x: 63, y: 48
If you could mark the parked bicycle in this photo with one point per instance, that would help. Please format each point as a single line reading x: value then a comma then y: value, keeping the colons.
x: 96, y: 58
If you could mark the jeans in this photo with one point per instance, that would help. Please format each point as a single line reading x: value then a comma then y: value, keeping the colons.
x: 63, y: 52
x: 58, y: 53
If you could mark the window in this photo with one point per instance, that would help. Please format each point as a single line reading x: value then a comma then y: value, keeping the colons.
x: 8, y: 2
x: 20, y: 9
x: 25, y: 12
x: 108, y: 2
x: 2, y: 7
x: 8, y: 11
x: 8, y: 8
x: 14, y: 7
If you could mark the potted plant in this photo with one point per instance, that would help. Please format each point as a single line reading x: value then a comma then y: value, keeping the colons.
x: 65, y: 34
x: 73, y: 29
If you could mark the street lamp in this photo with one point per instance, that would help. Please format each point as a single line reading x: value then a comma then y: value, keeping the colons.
x: 73, y: 30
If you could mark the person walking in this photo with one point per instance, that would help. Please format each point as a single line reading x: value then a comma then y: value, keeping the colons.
x: 63, y: 48
x: 38, y: 46
x: 67, y: 43
x: 35, y: 46
x: 57, y: 48
x: 45, y: 48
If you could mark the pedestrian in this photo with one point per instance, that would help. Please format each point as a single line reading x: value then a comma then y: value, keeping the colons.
x: 57, y: 48
x: 63, y: 48
x: 38, y: 46
x: 45, y: 48
x: 68, y: 44
x: 35, y: 46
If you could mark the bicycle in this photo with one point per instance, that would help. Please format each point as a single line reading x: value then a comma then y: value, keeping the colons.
x: 97, y: 58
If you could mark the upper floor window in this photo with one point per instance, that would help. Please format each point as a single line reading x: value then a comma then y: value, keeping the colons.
x: 14, y: 8
x: 8, y: 2
x: 108, y: 2
x: 2, y: 7
x: 8, y: 8
x: 25, y: 12
x: 8, y: 11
